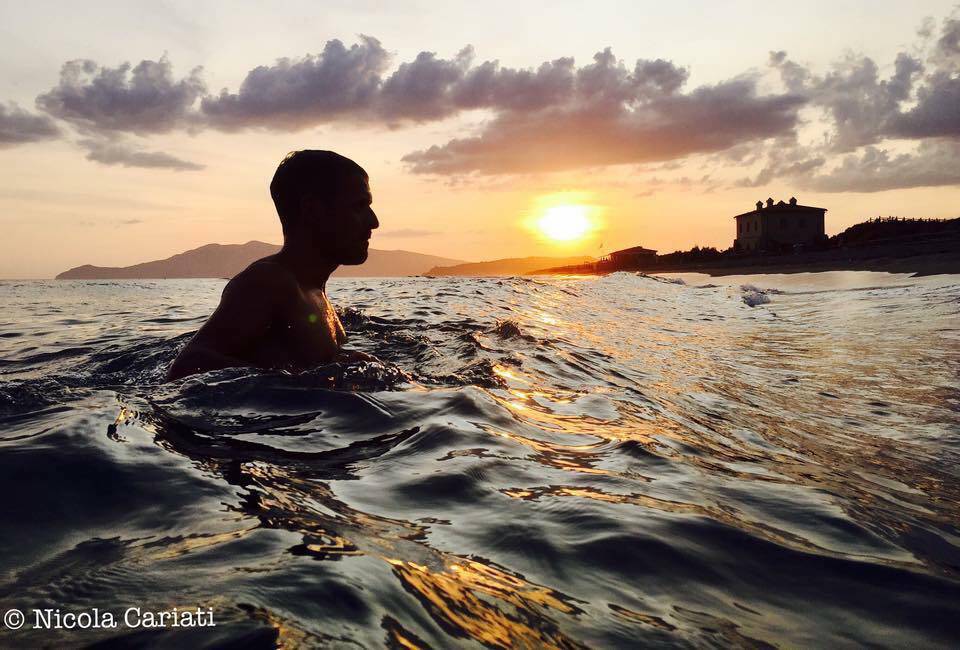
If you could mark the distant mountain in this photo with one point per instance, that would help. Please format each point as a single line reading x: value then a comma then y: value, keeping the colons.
x: 226, y: 260
x: 510, y: 266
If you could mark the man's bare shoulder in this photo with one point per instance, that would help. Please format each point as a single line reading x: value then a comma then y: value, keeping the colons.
x: 266, y: 276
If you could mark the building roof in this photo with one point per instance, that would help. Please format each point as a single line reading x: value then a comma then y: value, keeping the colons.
x: 779, y: 207
x: 636, y: 250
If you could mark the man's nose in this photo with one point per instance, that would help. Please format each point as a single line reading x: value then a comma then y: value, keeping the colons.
x: 374, y: 223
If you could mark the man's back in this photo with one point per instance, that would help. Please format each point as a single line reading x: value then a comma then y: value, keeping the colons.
x: 265, y: 319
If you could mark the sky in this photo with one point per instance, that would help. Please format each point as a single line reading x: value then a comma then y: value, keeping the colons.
x: 133, y: 131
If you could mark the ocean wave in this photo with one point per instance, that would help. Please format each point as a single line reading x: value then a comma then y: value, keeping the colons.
x: 540, y: 462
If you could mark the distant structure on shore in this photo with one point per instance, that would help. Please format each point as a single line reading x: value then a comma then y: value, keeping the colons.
x: 779, y: 225
x: 891, y: 244
x: 634, y: 257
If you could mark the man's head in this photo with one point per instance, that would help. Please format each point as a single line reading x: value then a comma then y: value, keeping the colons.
x: 324, y: 199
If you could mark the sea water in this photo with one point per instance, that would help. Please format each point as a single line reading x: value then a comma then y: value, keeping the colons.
x: 537, y: 462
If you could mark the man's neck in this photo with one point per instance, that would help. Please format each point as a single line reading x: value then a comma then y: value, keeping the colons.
x: 311, y: 270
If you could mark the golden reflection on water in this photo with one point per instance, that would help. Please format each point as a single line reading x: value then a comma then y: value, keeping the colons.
x: 289, y: 634
x: 465, y: 596
x: 507, y: 373
x: 576, y: 458
x: 638, y: 617
x: 399, y: 638
x: 170, y: 548
x: 704, y: 392
x: 457, y: 599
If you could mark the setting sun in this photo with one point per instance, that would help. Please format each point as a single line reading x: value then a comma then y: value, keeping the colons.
x: 564, y: 222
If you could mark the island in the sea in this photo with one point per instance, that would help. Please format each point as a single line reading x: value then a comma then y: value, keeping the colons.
x: 226, y: 260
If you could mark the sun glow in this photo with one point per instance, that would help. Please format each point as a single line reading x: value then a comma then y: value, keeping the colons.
x: 565, y: 222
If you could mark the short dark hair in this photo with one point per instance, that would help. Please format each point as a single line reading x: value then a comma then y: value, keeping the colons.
x: 306, y: 171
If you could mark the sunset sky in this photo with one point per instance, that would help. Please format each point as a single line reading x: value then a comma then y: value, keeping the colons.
x: 133, y: 131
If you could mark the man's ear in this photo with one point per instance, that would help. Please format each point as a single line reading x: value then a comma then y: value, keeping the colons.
x: 307, y: 205
x: 311, y: 206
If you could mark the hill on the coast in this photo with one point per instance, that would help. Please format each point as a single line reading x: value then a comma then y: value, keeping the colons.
x: 896, y: 228
x: 226, y: 260
x: 509, y: 266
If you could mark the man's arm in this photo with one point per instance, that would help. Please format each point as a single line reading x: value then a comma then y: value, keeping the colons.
x: 247, y: 308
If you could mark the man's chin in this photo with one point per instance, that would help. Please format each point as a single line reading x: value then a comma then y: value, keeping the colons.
x: 357, y: 258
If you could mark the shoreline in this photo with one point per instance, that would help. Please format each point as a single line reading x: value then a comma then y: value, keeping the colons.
x: 944, y: 264
x: 918, y: 257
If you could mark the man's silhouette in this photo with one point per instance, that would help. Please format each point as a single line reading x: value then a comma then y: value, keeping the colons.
x: 275, y: 313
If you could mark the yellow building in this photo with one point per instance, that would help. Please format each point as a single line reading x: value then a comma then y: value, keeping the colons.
x: 779, y: 225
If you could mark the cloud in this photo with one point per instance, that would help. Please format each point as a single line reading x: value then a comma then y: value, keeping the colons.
x: 784, y: 159
x: 918, y: 101
x: 490, y: 86
x: 552, y: 117
x: 338, y: 84
x: 609, y: 115
x: 865, y: 109
x: 937, y: 112
x: 350, y: 85
x: 859, y: 103
x: 605, y: 112
x: 113, y: 223
x: 407, y: 232
x: 934, y: 163
x: 423, y: 89
x: 17, y: 126
x: 947, y: 50
x: 144, y: 99
x: 116, y: 153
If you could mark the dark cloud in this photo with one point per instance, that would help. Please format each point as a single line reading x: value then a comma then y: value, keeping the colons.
x: 934, y: 163
x: 110, y: 152
x: 936, y: 114
x: 552, y: 117
x: 424, y: 88
x: 865, y: 109
x: 17, y: 126
x: 788, y: 161
x: 490, y: 86
x: 143, y: 99
x: 610, y: 115
x: 350, y: 85
x: 860, y: 104
x: 947, y: 52
x: 339, y: 84
x: 919, y: 100
x: 658, y: 77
